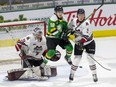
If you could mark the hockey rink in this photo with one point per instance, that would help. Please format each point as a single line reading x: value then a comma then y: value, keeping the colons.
x: 105, y: 55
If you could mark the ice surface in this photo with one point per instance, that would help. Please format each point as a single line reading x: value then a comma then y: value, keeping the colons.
x: 105, y: 54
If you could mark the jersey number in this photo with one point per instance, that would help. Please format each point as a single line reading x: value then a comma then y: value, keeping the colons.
x: 52, y: 24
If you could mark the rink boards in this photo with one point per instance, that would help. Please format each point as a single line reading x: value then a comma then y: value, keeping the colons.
x: 103, y: 22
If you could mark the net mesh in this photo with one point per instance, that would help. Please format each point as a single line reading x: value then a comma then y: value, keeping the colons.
x: 10, y: 32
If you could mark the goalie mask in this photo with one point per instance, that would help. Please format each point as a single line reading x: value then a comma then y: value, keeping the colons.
x: 37, y: 32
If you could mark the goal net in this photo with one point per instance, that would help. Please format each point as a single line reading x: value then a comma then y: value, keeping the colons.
x: 11, y: 31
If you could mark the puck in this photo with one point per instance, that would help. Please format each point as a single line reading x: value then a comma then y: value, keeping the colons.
x: 80, y: 67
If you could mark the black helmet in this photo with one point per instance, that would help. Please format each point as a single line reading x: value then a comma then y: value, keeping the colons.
x: 80, y: 11
x: 58, y: 8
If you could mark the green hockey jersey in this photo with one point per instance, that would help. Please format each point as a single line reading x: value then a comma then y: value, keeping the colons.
x: 56, y: 27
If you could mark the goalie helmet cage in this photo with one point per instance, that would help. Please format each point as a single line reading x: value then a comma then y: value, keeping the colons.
x: 11, y: 31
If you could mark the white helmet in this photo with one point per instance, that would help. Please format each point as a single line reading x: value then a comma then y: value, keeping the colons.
x: 37, y: 31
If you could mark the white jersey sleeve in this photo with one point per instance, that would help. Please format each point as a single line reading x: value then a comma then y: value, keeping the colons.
x: 24, y: 43
x: 86, y: 31
x: 83, y: 31
x: 72, y: 25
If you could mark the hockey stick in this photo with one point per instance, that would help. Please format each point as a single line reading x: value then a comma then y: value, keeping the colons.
x: 29, y: 66
x: 94, y: 59
x: 99, y: 63
x: 92, y: 13
x: 40, y: 76
x: 7, y: 31
x: 69, y: 31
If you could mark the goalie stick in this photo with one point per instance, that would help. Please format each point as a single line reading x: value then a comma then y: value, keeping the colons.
x: 34, y: 72
x: 7, y: 31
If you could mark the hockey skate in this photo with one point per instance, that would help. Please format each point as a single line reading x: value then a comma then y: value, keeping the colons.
x: 95, y: 79
x: 71, y: 77
x: 68, y: 60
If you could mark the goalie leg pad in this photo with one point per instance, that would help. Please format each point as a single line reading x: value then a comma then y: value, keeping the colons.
x: 15, y: 74
x: 26, y: 73
x: 50, y: 71
x: 53, y: 71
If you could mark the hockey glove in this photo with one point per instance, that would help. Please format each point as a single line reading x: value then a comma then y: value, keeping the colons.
x: 64, y: 37
x: 22, y: 43
x: 81, y: 42
x: 22, y: 55
x: 80, y: 46
x: 65, y: 34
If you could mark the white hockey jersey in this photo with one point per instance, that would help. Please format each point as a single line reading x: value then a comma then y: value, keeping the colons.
x: 34, y: 48
x: 82, y: 32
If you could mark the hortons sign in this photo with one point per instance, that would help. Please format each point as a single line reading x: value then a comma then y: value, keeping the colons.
x: 96, y: 19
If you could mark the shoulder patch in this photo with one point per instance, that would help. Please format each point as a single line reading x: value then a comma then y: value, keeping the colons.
x: 64, y: 19
x: 54, y: 18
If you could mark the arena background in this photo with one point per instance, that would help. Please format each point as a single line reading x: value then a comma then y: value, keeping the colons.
x: 103, y: 22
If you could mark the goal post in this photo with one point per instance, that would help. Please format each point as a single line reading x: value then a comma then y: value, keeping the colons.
x: 11, y: 31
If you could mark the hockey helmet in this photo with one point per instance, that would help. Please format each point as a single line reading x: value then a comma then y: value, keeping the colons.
x: 58, y: 8
x: 80, y: 11
x: 37, y: 31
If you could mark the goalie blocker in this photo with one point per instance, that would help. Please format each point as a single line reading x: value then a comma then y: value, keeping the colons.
x: 27, y: 74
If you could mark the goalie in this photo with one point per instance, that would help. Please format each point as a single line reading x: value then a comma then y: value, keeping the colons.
x: 32, y: 51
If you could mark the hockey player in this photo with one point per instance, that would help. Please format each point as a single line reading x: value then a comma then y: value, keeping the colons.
x: 84, y: 40
x: 32, y: 52
x: 31, y: 48
x: 57, y: 25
